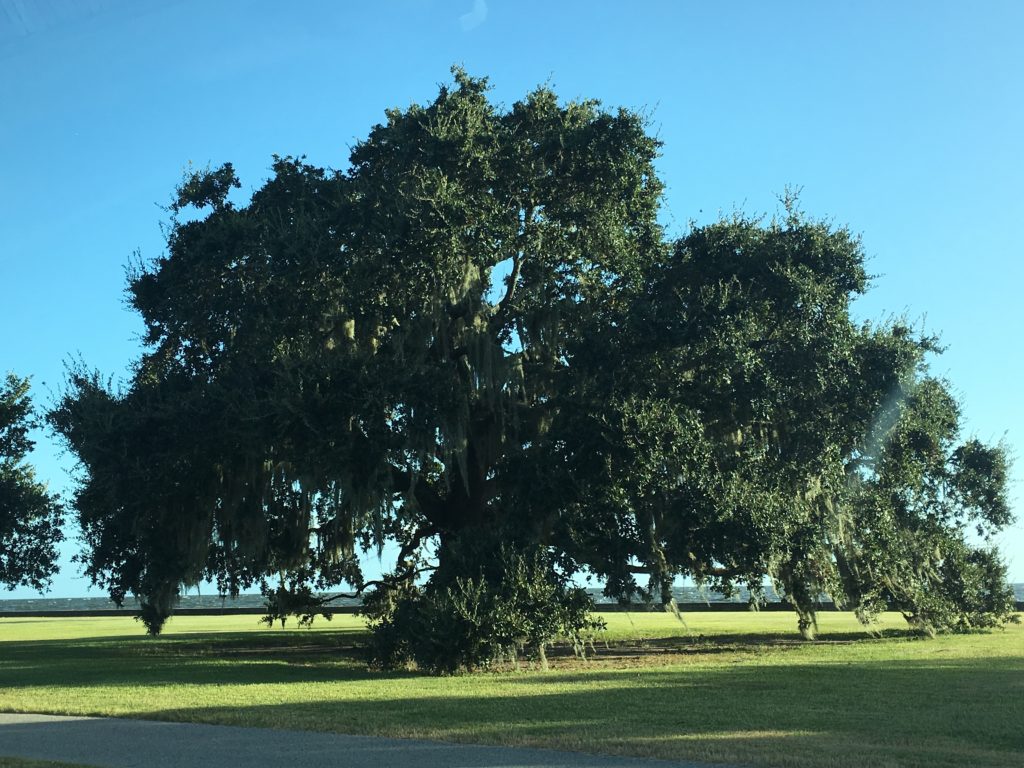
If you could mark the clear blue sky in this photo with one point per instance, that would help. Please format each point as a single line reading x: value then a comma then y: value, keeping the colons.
x: 903, y: 120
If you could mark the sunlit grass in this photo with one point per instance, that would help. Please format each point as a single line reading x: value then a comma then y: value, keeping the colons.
x: 730, y: 687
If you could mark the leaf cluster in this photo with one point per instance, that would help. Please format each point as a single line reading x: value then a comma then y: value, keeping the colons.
x: 512, y: 607
x: 30, y: 516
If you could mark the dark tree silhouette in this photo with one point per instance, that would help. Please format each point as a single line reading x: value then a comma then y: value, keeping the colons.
x: 476, y: 341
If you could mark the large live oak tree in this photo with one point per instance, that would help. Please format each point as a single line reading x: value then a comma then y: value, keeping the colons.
x: 477, y: 337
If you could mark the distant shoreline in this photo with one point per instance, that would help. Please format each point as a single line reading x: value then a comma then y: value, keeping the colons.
x: 688, y: 598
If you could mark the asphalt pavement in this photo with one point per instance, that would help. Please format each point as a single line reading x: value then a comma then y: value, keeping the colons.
x: 119, y: 743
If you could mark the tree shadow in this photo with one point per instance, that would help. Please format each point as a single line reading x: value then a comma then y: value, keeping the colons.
x: 197, y: 659
x: 277, y: 656
x: 866, y: 713
x: 877, y: 710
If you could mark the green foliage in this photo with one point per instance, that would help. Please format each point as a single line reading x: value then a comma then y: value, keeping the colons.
x: 910, y: 502
x: 206, y: 188
x: 515, y: 605
x: 765, y: 434
x: 478, y: 330
x: 30, y: 517
x: 301, y: 593
x: 974, y: 587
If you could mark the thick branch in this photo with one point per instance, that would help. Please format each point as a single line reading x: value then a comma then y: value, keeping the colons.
x: 323, y: 600
x: 429, y: 501
x: 410, y: 547
x: 513, y: 281
x: 500, y: 313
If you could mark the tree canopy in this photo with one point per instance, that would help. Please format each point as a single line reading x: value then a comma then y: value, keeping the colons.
x: 478, y: 342
x: 30, y: 517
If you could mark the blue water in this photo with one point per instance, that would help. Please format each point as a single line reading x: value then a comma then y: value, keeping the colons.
x: 682, y: 595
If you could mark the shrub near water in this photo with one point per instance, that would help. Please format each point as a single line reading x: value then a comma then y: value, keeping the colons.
x: 510, y: 610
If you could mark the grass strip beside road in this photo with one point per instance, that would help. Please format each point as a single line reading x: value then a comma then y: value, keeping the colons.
x: 728, y: 687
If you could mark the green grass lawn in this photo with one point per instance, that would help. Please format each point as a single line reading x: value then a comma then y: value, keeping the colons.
x: 729, y: 687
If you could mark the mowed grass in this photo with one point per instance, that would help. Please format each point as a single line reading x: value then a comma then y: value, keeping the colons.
x: 723, y: 687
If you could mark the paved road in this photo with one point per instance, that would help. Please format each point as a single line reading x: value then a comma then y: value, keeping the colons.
x: 118, y: 743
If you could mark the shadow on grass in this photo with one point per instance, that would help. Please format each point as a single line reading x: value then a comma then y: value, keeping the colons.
x: 215, y: 658
x: 693, y: 644
x: 866, y: 713
x: 779, y: 709
x: 276, y: 656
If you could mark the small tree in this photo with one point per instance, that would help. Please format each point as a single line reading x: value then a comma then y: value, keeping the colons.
x: 30, y: 517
